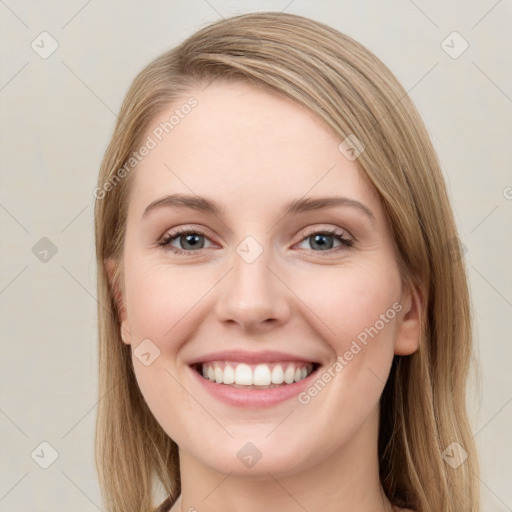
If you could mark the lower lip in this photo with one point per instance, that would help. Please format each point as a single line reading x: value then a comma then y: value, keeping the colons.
x: 259, y: 398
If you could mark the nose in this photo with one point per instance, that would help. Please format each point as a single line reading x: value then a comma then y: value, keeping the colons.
x: 253, y: 295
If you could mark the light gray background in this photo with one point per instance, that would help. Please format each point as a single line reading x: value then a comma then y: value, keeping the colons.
x: 57, y: 116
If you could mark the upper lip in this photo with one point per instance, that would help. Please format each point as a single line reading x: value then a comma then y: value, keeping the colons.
x: 244, y: 356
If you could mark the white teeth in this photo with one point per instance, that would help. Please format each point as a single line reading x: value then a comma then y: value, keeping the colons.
x: 229, y: 375
x: 262, y: 376
x: 289, y: 374
x: 241, y: 374
x: 219, y: 375
x: 277, y: 374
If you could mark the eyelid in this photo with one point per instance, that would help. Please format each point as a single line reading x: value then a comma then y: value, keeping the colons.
x: 334, y: 231
x: 308, y: 231
x: 327, y: 228
x: 175, y: 233
x: 189, y: 228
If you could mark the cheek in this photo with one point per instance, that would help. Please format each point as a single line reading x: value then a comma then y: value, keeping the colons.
x: 351, y: 299
x: 159, y: 298
x: 360, y: 305
x: 160, y: 305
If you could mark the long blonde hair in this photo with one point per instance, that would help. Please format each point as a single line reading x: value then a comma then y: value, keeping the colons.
x: 423, y: 405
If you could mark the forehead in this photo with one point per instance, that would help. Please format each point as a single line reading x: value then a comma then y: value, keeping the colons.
x: 243, y: 144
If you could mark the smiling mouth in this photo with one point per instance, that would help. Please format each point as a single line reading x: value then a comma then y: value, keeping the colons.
x: 255, y: 376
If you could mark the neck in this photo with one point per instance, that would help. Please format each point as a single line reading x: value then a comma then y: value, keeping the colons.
x: 345, y: 478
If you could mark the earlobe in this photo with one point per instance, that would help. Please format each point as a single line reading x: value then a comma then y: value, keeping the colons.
x: 409, y: 323
x: 111, y: 267
x: 125, y: 333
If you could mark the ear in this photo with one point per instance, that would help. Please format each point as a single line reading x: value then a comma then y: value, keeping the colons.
x: 409, y: 322
x: 111, y: 267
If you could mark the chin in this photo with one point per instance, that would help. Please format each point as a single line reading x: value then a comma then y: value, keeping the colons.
x: 255, y: 459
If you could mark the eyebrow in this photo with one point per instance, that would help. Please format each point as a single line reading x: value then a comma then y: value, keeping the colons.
x: 210, y: 206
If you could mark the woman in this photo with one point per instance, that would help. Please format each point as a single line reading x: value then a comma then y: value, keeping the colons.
x: 284, y: 316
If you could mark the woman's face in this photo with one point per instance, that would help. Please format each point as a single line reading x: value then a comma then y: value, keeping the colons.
x: 279, y: 289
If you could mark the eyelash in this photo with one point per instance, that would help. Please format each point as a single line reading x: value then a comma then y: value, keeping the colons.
x: 169, y: 237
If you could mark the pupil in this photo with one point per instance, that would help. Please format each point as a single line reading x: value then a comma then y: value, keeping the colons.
x: 322, y: 245
x: 319, y: 240
x: 191, y: 238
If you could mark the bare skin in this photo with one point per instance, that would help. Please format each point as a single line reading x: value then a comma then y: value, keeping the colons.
x: 252, y: 152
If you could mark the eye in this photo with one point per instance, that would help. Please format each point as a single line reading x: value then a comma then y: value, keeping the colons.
x: 188, y: 239
x: 323, y: 240
x: 193, y: 240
